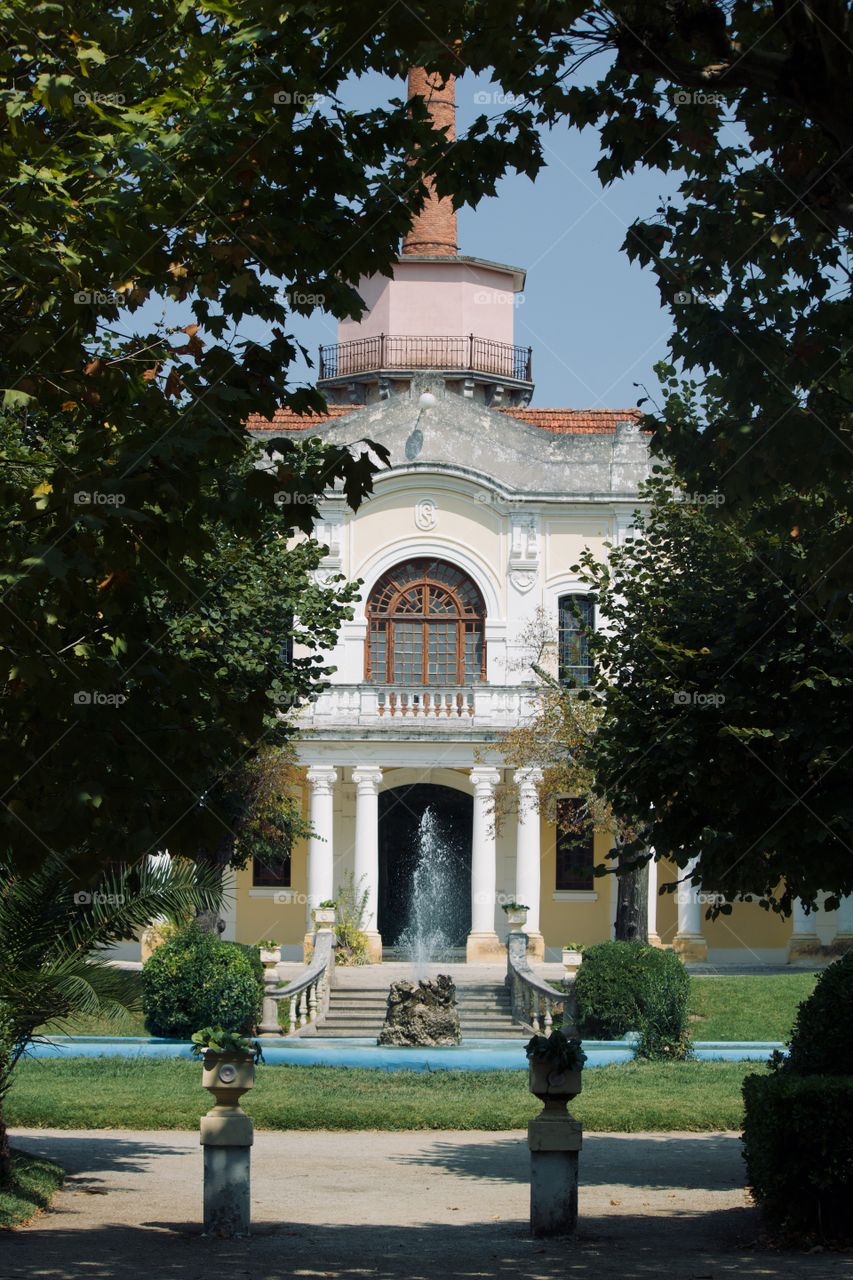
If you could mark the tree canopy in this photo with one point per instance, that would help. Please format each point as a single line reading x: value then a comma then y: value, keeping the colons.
x: 726, y: 705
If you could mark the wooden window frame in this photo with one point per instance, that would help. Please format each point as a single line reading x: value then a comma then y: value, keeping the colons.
x: 468, y: 615
x: 577, y: 674
x: 576, y: 883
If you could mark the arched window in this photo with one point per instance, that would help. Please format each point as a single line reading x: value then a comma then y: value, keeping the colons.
x: 425, y: 625
x: 576, y: 620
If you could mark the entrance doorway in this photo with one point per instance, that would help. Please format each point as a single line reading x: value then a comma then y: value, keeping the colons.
x: 425, y: 850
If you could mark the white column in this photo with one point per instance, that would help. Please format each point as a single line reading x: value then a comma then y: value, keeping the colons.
x: 652, y: 906
x: 689, y: 942
x: 844, y: 921
x: 483, y: 940
x: 321, y: 875
x: 367, y: 779
x: 527, y: 850
x: 804, y: 940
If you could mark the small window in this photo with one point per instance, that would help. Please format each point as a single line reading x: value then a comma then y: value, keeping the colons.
x: 273, y: 873
x: 576, y: 620
x: 575, y: 854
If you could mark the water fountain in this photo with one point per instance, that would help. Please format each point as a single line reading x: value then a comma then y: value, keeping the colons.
x: 435, y: 918
x: 424, y: 1012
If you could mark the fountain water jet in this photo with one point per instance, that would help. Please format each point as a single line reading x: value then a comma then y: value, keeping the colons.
x: 435, y: 916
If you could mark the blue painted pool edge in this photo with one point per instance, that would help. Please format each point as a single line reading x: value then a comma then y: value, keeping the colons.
x: 473, y: 1055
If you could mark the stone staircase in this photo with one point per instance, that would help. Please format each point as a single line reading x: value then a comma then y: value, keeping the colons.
x: 484, y: 1012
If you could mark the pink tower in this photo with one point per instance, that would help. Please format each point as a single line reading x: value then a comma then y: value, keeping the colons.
x: 441, y: 312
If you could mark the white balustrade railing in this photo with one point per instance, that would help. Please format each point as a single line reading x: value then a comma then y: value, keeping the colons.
x: 307, y: 997
x: 534, y: 1001
x: 469, y: 706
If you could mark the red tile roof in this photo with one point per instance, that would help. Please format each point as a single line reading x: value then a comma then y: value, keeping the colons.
x: 560, y: 421
x: 287, y: 420
x: 575, y: 421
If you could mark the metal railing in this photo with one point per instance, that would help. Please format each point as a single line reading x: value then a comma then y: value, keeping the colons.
x: 307, y: 998
x: 534, y: 1001
x: 427, y: 351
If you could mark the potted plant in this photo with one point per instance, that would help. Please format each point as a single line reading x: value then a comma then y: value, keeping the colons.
x: 270, y: 952
x: 516, y: 914
x: 228, y: 1063
x: 572, y: 955
x: 324, y: 914
x: 555, y: 1063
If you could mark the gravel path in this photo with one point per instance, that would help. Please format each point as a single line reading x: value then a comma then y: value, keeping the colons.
x: 407, y: 1206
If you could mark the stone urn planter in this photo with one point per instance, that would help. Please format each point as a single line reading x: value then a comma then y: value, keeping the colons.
x: 270, y: 956
x: 227, y: 1076
x: 547, y: 1082
x: 572, y: 958
x: 324, y: 917
x: 516, y: 917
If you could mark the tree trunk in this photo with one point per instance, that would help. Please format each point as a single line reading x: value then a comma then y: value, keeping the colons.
x: 5, y: 1153
x: 632, y: 896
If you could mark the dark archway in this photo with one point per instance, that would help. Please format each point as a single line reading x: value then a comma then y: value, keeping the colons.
x: 400, y: 812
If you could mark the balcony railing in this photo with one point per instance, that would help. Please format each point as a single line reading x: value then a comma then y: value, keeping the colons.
x: 478, y: 706
x: 413, y: 351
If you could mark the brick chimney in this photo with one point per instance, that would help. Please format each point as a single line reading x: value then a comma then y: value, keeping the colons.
x: 433, y: 231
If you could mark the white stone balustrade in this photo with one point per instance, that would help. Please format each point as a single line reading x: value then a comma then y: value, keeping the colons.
x: 471, y: 707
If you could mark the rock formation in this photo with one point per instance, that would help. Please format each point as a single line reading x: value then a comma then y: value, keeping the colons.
x: 425, y: 1014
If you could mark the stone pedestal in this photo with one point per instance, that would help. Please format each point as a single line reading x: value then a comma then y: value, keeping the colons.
x: 227, y: 1142
x: 535, y: 946
x: 689, y: 943
x: 555, y: 1140
x: 484, y: 948
x: 226, y: 1136
x: 804, y: 943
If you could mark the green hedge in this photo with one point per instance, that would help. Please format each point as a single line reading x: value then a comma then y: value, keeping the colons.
x: 822, y: 1039
x: 628, y: 986
x: 196, y: 980
x: 798, y: 1147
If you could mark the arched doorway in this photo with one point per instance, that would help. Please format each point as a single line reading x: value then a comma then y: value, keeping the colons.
x: 421, y: 822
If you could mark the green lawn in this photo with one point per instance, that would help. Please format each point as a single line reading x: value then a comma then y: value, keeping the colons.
x: 747, y: 1008
x: 166, y: 1094
x: 30, y: 1188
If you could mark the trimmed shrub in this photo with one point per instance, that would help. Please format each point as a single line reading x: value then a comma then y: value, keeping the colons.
x: 822, y: 1039
x: 798, y: 1147
x: 629, y: 986
x: 196, y: 980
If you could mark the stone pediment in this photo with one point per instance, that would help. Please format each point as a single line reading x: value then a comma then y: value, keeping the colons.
x: 462, y: 437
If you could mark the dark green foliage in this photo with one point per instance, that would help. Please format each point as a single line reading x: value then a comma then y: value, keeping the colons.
x: 628, y: 986
x: 196, y: 980
x: 798, y: 1147
x: 822, y: 1039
